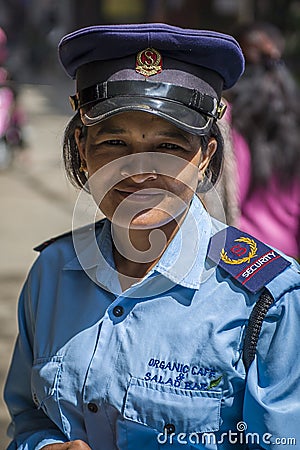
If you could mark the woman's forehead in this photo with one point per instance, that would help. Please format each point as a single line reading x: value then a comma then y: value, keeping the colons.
x: 132, y: 120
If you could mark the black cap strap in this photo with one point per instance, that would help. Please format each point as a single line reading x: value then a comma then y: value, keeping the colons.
x: 194, y: 99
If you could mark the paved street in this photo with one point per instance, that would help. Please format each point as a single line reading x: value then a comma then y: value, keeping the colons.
x: 36, y: 202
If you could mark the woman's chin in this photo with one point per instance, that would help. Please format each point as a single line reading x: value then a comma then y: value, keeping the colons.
x: 145, y: 220
x: 150, y: 220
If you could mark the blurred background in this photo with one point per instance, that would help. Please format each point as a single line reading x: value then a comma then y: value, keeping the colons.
x: 36, y: 201
x: 33, y: 27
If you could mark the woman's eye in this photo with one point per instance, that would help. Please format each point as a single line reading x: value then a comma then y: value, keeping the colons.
x: 101, y: 145
x: 114, y: 142
x: 169, y: 146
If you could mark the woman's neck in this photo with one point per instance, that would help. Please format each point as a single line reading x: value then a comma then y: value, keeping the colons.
x: 136, y: 251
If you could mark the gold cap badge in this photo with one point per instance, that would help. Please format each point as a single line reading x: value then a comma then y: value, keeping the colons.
x: 148, y: 62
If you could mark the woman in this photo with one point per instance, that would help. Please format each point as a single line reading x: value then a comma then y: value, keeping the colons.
x: 132, y: 329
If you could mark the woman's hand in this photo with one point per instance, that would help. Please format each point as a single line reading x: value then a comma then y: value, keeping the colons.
x: 73, y: 445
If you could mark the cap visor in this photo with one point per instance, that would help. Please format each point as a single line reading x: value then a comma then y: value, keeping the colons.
x: 176, y: 113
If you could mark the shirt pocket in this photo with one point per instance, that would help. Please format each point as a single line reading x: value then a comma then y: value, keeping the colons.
x: 45, y: 379
x: 168, y: 410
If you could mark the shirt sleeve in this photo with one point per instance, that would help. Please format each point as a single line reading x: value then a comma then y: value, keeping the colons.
x: 30, y: 428
x: 272, y: 396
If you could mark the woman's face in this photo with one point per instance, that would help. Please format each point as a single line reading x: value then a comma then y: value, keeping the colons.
x: 143, y: 171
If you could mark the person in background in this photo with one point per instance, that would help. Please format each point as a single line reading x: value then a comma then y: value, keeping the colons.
x: 265, y: 117
x: 12, y: 115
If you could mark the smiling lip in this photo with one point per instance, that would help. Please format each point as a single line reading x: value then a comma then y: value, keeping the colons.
x: 140, y: 195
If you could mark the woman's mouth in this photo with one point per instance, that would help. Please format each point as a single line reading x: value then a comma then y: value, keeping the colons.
x: 141, y: 195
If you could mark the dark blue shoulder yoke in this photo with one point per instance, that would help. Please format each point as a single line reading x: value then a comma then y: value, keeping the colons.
x: 84, y: 229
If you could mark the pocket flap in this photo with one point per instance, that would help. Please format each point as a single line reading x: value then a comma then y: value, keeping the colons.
x: 158, y: 406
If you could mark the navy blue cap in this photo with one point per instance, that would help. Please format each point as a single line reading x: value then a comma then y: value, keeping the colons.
x: 185, y: 72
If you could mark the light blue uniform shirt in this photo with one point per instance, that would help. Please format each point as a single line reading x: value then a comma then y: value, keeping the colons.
x: 158, y: 366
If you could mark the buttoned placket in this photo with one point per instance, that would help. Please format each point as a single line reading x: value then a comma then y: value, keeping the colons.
x: 98, y: 416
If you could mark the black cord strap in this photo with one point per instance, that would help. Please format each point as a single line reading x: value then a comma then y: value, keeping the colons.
x: 254, y: 326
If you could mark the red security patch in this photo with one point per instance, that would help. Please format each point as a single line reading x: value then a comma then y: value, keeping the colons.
x: 251, y: 262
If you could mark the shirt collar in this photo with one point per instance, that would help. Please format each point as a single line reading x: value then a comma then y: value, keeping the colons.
x: 182, y: 262
x: 95, y: 257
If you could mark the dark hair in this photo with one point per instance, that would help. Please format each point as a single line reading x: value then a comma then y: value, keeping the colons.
x: 71, y: 154
x: 264, y: 36
x: 78, y: 178
x: 214, y: 169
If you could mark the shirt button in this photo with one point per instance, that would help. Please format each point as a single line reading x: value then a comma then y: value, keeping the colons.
x: 118, y: 311
x: 169, y: 428
x: 35, y: 399
x: 92, y: 407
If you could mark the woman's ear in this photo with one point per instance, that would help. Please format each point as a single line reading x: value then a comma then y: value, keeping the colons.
x: 80, y: 141
x: 206, y: 157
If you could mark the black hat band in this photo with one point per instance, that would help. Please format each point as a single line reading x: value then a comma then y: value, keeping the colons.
x: 192, y: 98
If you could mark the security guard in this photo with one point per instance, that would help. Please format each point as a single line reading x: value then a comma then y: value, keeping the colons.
x: 132, y: 329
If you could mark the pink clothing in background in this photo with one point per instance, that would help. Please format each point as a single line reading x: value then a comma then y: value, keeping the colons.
x: 270, y: 213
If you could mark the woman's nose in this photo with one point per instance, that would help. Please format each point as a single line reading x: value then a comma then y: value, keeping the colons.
x: 139, y: 177
x: 139, y: 167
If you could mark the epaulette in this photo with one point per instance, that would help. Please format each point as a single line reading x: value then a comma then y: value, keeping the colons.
x: 90, y: 227
x: 249, y: 261
x: 252, y: 264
